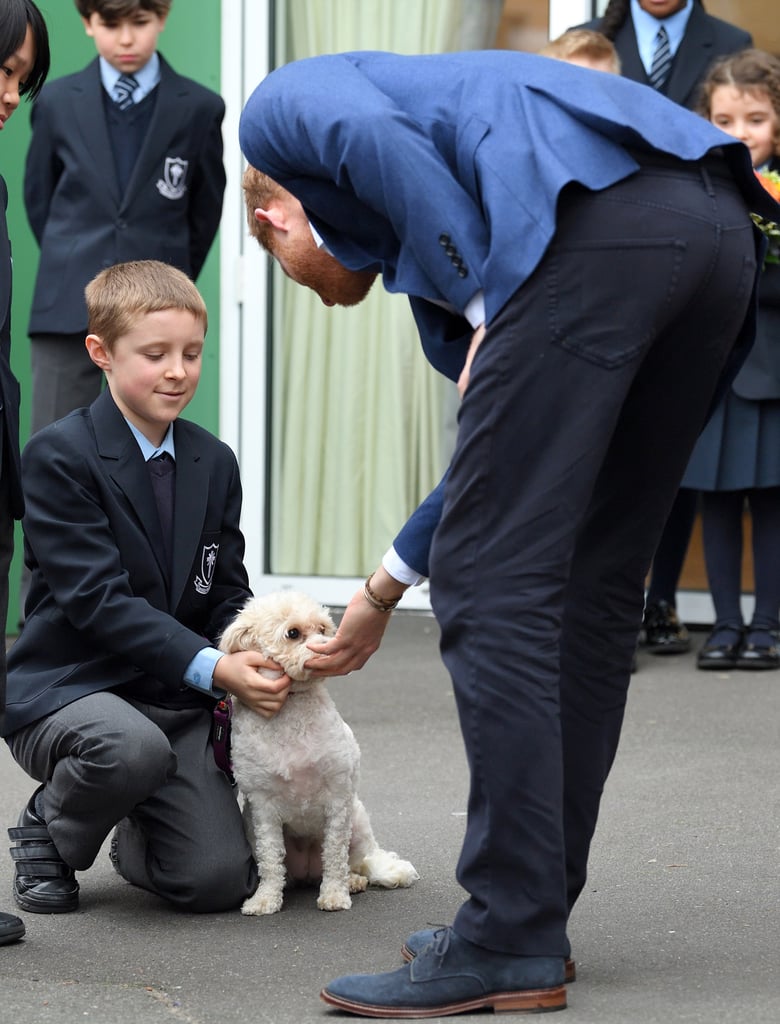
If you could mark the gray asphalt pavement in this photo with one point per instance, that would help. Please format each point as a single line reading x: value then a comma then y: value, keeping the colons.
x: 680, y: 920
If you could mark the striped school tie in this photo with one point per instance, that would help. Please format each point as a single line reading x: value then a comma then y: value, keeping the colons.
x: 662, y: 59
x: 123, y: 91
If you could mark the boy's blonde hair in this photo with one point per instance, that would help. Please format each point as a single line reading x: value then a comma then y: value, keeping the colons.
x: 121, y: 294
x: 584, y: 45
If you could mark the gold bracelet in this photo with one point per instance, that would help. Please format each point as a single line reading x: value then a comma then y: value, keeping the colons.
x: 380, y: 604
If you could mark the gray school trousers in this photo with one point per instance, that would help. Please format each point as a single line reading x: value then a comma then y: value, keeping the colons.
x: 108, y: 762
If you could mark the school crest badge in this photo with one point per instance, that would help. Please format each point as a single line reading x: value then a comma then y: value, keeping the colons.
x: 208, y: 560
x: 173, y: 184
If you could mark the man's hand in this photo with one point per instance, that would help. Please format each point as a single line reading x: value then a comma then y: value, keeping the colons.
x: 360, y: 631
x: 259, y: 683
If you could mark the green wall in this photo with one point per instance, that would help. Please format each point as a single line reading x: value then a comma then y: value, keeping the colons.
x: 190, y: 42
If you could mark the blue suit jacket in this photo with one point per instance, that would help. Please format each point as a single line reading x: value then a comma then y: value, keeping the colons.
x: 81, y: 219
x: 104, y: 610
x: 443, y: 173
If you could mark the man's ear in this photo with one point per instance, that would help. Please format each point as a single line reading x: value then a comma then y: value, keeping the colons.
x: 275, y: 214
x: 97, y: 351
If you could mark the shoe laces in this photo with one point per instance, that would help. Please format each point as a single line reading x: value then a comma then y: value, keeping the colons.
x: 441, y: 942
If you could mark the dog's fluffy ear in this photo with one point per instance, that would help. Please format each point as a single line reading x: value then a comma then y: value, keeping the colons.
x: 237, y: 637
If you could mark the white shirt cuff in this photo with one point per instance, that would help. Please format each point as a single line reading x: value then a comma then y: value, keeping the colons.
x: 475, y: 310
x: 399, y: 570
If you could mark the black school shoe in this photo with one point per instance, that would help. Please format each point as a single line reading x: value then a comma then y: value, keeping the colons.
x: 11, y: 929
x: 759, y: 652
x: 721, y: 650
x: 663, y: 631
x: 43, y: 882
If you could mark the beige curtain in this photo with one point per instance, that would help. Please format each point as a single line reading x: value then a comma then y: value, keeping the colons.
x: 357, y: 414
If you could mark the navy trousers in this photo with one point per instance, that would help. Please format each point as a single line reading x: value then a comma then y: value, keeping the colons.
x: 585, y: 400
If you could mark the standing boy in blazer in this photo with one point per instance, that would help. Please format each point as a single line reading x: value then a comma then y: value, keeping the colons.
x: 118, y: 169
x: 136, y: 568
x: 695, y: 39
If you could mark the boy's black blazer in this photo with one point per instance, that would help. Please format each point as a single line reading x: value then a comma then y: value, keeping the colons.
x: 103, y: 611
x: 705, y: 39
x: 71, y: 191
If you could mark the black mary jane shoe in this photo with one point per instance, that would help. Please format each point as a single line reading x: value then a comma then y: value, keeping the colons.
x: 43, y: 882
x: 759, y: 656
x: 662, y: 631
x: 716, y: 655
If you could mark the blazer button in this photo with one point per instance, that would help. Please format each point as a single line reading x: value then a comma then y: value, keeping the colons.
x: 462, y: 272
x: 444, y: 240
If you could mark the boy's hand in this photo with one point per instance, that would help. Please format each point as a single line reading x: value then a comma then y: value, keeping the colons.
x: 259, y: 683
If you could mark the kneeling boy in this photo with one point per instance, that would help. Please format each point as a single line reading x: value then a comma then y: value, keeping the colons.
x: 132, y: 536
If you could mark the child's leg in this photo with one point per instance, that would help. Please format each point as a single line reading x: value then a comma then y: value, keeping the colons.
x: 722, y: 533
x: 765, y: 516
x: 98, y: 757
x: 187, y: 842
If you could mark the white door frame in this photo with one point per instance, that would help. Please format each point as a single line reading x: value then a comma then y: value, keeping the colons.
x: 244, y: 310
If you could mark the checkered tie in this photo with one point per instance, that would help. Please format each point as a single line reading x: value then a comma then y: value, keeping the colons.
x: 662, y: 59
x: 123, y: 91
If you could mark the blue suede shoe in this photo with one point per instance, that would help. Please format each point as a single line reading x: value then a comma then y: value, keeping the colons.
x: 451, y: 975
x: 418, y: 940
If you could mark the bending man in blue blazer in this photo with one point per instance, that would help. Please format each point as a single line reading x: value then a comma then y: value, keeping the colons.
x: 565, y: 237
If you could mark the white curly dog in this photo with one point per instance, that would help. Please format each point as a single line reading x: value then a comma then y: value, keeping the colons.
x: 298, y: 771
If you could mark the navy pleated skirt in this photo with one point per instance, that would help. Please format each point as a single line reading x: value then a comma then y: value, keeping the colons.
x: 739, y: 448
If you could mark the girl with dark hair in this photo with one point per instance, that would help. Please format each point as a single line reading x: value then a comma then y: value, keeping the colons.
x: 735, y: 462
x: 24, y: 64
x: 17, y: 19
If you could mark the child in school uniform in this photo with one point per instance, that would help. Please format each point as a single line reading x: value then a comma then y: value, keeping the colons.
x: 136, y: 568
x: 125, y: 163
x: 24, y: 55
x: 736, y: 462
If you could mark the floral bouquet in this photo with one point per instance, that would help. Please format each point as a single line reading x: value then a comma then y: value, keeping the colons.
x: 771, y: 182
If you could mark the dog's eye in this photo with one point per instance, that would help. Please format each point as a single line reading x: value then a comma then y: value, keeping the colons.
x: 293, y: 634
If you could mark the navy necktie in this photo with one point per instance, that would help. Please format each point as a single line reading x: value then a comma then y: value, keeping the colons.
x: 162, y: 472
x: 123, y: 91
x: 662, y: 59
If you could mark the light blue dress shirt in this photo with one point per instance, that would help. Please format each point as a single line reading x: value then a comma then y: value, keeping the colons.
x: 147, y: 77
x: 646, y: 29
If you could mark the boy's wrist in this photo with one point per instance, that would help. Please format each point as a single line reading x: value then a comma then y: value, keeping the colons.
x: 200, y: 673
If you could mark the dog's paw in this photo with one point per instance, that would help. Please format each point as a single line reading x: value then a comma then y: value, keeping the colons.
x: 387, y: 870
x: 334, y: 897
x: 262, y: 903
x: 357, y: 883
